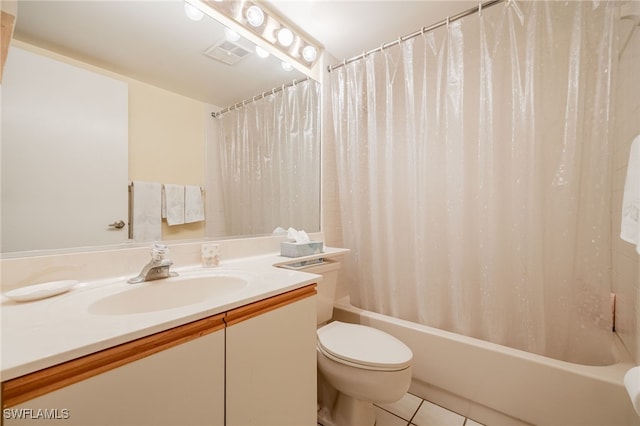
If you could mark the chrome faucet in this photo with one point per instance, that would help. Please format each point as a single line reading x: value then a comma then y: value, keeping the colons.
x: 157, y: 268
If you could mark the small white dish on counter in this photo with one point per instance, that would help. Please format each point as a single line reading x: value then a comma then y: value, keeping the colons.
x: 40, y: 291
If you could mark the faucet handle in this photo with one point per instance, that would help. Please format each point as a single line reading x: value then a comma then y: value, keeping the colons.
x: 158, y: 251
x: 159, y: 247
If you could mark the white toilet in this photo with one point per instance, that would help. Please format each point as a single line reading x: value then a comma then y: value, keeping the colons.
x: 363, y: 364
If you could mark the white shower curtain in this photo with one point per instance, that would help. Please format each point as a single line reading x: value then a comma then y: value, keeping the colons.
x: 474, y: 173
x: 270, y: 162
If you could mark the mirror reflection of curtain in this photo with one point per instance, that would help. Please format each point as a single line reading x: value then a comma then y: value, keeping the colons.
x: 270, y: 162
x: 474, y: 165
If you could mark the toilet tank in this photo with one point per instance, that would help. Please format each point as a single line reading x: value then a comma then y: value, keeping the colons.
x: 326, y: 288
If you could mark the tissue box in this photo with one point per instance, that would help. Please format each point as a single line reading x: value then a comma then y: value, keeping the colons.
x: 293, y: 249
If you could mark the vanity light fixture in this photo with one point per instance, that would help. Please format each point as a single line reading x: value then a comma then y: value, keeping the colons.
x: 254, y: 21
x: 193, y: 12
x: 255, y: 16
x: 285, y: 37
x: 261, y: 52
x: 231, y: 35
x: 309, y: 53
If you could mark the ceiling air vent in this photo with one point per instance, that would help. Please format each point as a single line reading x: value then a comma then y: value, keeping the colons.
x: 227, y: 52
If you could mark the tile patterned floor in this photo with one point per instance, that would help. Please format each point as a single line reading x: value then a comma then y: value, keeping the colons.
x: 414, y: 411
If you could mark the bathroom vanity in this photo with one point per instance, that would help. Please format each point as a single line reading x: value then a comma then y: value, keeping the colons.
x: 242, y: 358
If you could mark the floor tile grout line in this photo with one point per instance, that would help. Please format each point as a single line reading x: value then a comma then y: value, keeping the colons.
x: 422, y: 401
x: 448, y: 409
x: 417, y: 409
x: 392, y: 413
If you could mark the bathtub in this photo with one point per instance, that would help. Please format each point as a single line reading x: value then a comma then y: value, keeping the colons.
x: 497, y: 385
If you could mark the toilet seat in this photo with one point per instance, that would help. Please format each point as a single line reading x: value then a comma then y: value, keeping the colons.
x: 363, y: 347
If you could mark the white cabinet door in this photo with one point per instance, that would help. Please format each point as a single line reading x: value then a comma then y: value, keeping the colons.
x: 64, y: 155
x: 183, y: 385
x: 271, y: 367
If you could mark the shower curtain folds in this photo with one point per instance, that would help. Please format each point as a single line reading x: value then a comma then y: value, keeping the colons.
x: 270, y: 162
x: 474, y: 177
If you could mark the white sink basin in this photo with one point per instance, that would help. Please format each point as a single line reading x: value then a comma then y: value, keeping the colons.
x: 167, y: 293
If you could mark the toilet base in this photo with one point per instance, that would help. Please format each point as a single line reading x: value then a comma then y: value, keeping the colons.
x: 349, y: 411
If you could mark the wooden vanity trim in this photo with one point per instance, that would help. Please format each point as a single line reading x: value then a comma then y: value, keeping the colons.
x: 6, y: 34
x: 29, y: 386
x: 38, y: 383
x: 244, y: 313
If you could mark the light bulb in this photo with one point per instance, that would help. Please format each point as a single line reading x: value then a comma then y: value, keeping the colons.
x: 286, y: 66
x: 231, y: 35
x: 285, y: 37
x: 193, y: 12
x: 255, y: 16
x: 261, y: 52
x: 309, y: 53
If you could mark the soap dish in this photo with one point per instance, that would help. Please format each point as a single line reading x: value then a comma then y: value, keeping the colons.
x: 40, y: 291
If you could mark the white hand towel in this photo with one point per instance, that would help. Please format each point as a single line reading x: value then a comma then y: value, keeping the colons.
x: 630, y: 225
x: 146, y: 200
x: 193, y: 204
x: 173, y: 204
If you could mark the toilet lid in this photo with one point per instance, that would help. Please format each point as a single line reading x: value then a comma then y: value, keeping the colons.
x: 363, y: 345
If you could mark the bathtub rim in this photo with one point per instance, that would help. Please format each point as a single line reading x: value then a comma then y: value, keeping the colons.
x: 513, y: 406
x: 619, y: 352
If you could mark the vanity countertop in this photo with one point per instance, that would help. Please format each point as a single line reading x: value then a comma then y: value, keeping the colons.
x: 43, y: 333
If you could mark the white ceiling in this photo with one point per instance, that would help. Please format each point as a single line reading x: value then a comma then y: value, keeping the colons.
x: 348, y: 28
x: 153, y: 41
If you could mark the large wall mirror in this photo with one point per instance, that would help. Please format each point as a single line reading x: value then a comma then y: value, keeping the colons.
x: 174, y: 72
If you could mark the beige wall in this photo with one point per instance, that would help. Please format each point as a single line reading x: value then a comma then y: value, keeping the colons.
x: 166, y: 136
x: 625, y: 261
x: 166, y: 144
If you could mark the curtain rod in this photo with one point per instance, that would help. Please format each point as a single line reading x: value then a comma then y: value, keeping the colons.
x: 447, y: 21
x: 258, y: 97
